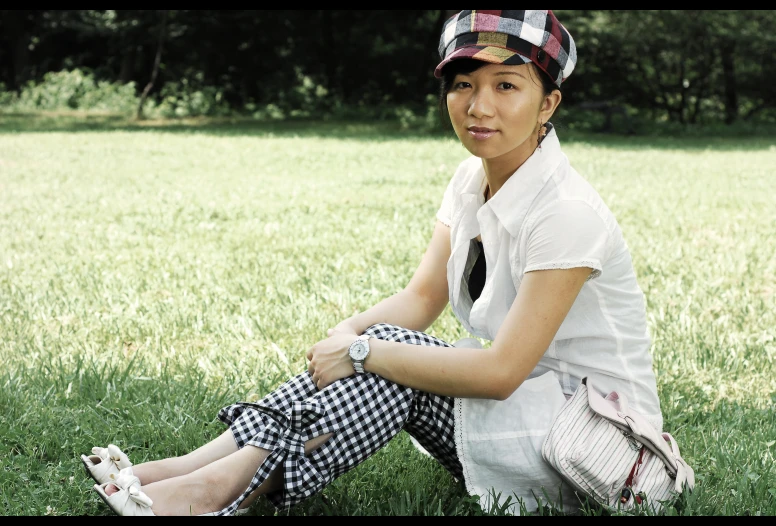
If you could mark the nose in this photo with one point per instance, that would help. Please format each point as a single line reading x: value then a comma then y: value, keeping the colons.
x: 481, y: 104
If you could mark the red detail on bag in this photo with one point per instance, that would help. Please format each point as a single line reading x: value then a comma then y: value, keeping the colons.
x: 635, y: 469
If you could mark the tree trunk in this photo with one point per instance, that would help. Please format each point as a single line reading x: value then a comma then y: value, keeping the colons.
x: 19, y: 40
x: 426, y: 65
x: 127, y: 71
x: 682, y: 109
x: 157, y: 62
x: 696, y: 108
x: 729, y: 75
x: 328, y: 54
x: 703, y: 84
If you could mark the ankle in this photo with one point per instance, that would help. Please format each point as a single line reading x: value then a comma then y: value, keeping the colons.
x: 185, y: 496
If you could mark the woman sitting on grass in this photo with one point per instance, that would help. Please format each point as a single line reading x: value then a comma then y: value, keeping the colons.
x: 529, y: 257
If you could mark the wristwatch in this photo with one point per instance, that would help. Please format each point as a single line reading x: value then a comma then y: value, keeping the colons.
x: 358, y: 352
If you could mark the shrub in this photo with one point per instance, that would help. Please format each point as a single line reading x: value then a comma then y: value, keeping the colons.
x: 427, y: 118
x: 76, y: 89
x: 7, y: 98
x: 182, y: 99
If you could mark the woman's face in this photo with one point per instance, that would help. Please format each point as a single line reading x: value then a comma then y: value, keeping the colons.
x: 496, y: 111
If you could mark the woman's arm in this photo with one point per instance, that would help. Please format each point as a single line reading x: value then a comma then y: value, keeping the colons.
x: 541, y: 305
x: 421, y: 301
x: 542, y: 302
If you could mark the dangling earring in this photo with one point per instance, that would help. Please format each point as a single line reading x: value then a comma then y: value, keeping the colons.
x: 539, y: 136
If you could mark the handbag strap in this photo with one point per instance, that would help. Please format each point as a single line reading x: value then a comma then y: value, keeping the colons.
x: 615, y: 408
x: 684, y: 473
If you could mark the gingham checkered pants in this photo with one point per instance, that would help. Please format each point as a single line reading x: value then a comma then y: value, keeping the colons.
x: 362, y: 412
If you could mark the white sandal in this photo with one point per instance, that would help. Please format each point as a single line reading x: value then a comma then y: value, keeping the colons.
x: 104, y: 462
x: 129, y: 500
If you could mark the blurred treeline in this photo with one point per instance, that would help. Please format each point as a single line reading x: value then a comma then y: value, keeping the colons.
x: 688, y: 67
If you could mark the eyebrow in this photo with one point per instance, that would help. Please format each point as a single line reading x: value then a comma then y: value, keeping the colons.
x: 504, y: 73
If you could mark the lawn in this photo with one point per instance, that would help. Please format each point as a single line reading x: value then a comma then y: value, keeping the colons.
x: 150, y: 275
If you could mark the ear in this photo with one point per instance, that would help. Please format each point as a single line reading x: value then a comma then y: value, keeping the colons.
x: 549, y: 105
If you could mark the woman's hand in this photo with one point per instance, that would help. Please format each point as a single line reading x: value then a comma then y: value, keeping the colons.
x: 329, y: 360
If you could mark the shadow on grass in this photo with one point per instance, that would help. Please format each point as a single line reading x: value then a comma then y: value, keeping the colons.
x: 78, y: 122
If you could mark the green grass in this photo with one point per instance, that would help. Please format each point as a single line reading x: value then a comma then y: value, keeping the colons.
x: 150, y: 274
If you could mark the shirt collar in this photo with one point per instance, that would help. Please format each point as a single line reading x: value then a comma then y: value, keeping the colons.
x: 511, y: 202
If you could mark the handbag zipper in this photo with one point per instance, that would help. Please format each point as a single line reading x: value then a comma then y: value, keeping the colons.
x: 627, y: 491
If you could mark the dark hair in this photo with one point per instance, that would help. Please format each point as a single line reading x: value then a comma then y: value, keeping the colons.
x: 468, y: 65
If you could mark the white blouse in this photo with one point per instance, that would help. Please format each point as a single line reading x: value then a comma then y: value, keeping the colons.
x: 546, y: 216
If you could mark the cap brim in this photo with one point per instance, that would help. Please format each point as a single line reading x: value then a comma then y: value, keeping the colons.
x: 492, y: 54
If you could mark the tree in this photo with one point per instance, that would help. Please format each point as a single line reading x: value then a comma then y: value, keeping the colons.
x: 157, y: 62
x: 687, y: 66
x: 20, y: 27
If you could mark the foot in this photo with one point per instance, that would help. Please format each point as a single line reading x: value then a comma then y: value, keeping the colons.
x: 105, y: 462
x: 110, y: 489
x: 126, y: 498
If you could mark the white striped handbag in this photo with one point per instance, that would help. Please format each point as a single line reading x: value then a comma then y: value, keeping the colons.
x: 613, y: 455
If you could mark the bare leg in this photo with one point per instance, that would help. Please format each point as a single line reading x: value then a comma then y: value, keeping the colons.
x: 156, y: 470
x: 212, y: 487
x: 215, y: 485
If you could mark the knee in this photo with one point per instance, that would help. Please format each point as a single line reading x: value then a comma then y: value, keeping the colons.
x: 382, y: 331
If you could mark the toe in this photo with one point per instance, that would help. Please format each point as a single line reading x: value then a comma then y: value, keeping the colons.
x: 110, y: 489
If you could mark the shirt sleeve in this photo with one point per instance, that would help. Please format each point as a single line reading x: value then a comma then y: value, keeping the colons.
x: 445, y: 212
x: 569, y: 234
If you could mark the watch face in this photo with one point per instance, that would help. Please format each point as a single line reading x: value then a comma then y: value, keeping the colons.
x: 358, y: 351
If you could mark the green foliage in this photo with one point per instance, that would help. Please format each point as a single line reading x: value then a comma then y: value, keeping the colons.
x: 151, y: 275
x: 429, y: 119
x: 180, y: 99
x: 72, y: 90
x: 684, y: 67
x: 6, y: 97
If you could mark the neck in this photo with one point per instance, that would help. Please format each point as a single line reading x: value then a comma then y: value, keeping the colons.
x: 499, y: 169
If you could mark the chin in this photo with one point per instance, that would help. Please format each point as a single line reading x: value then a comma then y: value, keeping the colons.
x: 483, y: 151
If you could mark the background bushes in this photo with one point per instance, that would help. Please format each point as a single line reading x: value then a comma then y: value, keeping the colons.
x: 681, y: 68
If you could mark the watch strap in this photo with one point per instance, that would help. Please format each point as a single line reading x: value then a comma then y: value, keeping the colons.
x: 358, y: 365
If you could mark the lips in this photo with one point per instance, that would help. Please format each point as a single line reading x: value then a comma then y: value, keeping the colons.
x: 481, y: 133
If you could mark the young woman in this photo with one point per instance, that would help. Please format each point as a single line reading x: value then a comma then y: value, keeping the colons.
x: 529, y: 257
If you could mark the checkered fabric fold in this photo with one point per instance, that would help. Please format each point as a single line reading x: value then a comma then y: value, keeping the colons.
x: 363, y: 413
x: 509, y: 37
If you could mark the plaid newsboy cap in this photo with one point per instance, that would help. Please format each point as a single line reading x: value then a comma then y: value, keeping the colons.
x: 509, y: 37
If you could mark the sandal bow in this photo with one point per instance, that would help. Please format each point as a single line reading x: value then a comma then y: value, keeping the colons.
x: 104, y: 462
x: 129, y: 500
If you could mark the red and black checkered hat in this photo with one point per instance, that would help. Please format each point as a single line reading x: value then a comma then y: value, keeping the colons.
x: 509, y: 37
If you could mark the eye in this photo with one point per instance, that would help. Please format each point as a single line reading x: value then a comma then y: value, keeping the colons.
x: 462, y: 85
x: 506, y: 86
